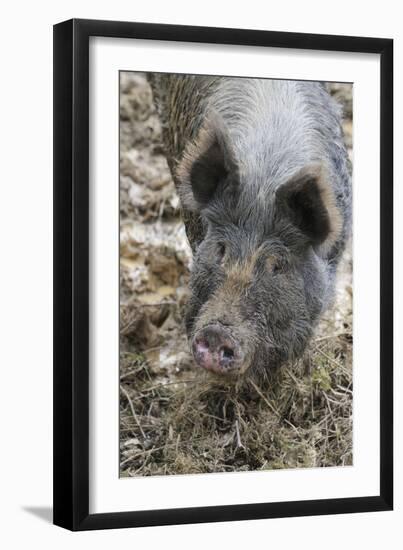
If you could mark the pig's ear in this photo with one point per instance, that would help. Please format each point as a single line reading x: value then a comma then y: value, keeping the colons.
x: 307, y: 199
x: 207, y: 164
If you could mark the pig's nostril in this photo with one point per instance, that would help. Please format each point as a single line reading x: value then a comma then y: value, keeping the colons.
x: 226, y: 355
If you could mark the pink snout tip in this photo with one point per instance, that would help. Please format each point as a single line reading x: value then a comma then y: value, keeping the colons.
x: 215, y: 350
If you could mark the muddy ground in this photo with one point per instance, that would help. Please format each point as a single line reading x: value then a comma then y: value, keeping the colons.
x: 175, y: 419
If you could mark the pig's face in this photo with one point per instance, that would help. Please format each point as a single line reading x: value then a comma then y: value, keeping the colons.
x: 254, y: 300
x: 259, y: 281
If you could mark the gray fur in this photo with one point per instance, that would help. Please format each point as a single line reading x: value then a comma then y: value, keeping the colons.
x: 264, y: 134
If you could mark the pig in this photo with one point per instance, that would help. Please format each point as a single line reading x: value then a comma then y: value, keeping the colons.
x: 264, y: 180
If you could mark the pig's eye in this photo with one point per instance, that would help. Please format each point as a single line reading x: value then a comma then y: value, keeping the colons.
x: 273, y: 264
x: 220, y: 251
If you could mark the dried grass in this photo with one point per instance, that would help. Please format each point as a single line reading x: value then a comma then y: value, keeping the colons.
x: 301, y: 418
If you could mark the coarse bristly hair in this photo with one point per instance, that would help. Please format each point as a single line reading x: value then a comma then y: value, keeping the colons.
x: 263, y: 175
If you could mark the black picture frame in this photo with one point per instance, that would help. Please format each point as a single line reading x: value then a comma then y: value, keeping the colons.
x: 71, y: 274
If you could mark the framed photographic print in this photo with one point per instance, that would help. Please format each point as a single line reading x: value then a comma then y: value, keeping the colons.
x: 223, y: 236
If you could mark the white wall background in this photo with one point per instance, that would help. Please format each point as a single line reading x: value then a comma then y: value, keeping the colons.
x: 26, y: 280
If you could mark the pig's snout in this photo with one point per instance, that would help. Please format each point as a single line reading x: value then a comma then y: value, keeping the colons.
x: 214, y: 349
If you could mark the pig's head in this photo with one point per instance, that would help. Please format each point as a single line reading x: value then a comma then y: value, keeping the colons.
x: 260, y: 277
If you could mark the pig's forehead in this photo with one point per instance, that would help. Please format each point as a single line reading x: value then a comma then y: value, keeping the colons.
x: 247, y: 236
x: 253, y: 216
